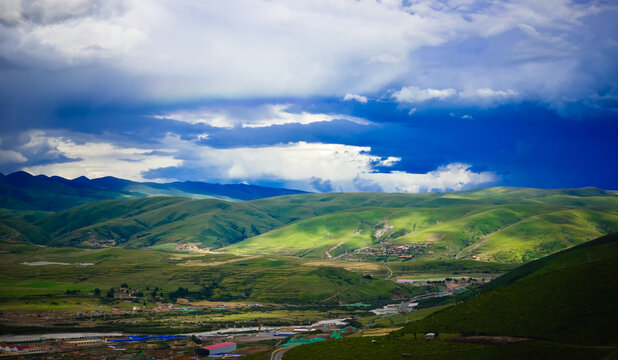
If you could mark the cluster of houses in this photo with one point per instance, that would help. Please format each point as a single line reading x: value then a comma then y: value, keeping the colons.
x: 125, y: 293
x: 212, y: 345
x: 204, y: 305
x: 191, y: 247
x: 12, y: 349
x: 393, y: 309
x: 101, y: 243
x: 389, y: 249
x: 181, y: 305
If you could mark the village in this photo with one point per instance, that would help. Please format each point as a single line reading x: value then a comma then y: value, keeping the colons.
x: 385, y: 249
x: 226, y: 343
x: 204, y: 328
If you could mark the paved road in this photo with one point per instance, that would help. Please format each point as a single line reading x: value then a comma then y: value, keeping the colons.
x: 278, y: 354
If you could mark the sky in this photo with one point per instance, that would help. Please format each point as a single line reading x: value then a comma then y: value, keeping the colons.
x: 325, y: 96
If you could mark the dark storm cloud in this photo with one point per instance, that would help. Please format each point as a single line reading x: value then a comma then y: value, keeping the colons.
x: 41, y: 12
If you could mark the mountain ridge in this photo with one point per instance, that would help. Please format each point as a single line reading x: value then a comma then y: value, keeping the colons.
x: 23, y: 191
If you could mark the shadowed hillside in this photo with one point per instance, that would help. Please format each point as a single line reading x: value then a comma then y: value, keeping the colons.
x: 567, y: 297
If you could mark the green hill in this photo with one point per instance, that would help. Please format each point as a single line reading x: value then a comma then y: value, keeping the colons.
x: 566, y: 302
x: 145, y: 222
x: 494, y: 224
x: 501, y: 233
x: 568, y: 297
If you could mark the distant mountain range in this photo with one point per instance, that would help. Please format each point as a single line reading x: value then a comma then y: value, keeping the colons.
x: 23, y: 191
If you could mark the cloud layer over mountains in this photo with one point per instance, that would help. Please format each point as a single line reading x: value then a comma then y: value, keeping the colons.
x: 328, y: 95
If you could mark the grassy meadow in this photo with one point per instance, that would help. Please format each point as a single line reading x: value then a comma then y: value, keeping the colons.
x: 218, y: 277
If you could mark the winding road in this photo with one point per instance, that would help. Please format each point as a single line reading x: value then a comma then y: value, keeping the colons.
x: 391, y: 272
x: 278, y: 354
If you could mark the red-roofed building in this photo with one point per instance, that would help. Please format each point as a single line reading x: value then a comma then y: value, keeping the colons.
x: 224, y: 347
x: 21, y: 349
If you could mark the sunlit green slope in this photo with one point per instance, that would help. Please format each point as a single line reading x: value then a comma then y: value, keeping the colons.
x: 494, y: 224
x: 529, y: 229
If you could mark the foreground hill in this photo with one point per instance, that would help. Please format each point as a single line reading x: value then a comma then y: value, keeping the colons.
x: 23, y: 191
x: 567, y: 297
x: 566, y: 302
x: 494, y: 224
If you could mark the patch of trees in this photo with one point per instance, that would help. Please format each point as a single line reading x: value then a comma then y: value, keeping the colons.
x: 398, y: 233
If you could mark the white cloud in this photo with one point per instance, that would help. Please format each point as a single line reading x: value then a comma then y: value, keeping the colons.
x: 343, y: 167
x: 205, y: 116
x: 290, y: 162
x: 97, y: 159
x: 486, y: 93
x: 260, y: 116
x: 361, y: 99
x: 413, y: 94
x: 464, y: 116
x: 246, y: 48
x: 87, y: 39
x: 455, y: 176
x: 10, y: 156
x: 297, y: 165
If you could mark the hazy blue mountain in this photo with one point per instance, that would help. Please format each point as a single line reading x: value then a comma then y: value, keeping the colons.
x: 23, y: 191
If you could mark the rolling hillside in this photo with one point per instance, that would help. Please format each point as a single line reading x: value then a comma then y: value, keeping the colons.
x: 156, y: 220
x: 568, y: 297
x: 491, y: 226
x: 494, y: 224
x: 565, y: 302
